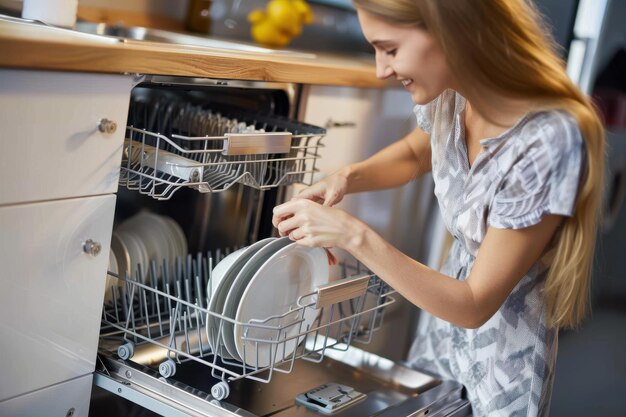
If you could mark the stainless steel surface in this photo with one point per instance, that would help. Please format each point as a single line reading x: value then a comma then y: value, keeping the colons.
x: 69, y: 33
x: 177, y: 38
x: 148, y: 389
x: 443, y: 400
x: 292, y: 91
x: 107, y: 126
x: 189, y: 391
x: 383, y: 369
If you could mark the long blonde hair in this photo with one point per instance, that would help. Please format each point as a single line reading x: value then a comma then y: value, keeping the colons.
x: 504, y: 46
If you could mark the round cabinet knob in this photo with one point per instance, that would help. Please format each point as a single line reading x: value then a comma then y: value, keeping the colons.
x: 91, y: 247
x: 107, y: 126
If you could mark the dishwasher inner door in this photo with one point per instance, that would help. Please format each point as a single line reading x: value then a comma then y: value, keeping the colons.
x: 388, y: 388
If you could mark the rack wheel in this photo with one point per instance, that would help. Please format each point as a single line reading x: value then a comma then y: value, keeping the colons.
x: 126, y: 351
x: 220, y: 390
x: 167, y: 368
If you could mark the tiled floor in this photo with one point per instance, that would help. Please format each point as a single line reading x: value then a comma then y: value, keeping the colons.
x: 591, y: 366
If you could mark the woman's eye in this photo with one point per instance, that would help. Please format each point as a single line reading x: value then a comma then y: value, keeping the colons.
x: 391, y: 52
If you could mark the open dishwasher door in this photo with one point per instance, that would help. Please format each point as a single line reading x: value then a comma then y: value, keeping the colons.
x: 348, y: 382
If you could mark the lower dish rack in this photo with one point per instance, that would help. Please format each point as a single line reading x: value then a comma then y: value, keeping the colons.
x: 172, y: 143
x: 163, y: 318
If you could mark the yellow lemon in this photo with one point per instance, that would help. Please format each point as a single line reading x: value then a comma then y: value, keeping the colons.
x: 265, y: 33
x: 294, y: 30
x: 284, y: 14
x: 256, y: 16
x: 303, y: 8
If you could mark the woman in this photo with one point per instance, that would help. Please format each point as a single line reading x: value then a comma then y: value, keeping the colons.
x: 516, y: 153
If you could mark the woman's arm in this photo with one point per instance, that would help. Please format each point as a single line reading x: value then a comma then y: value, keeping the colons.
x: 504, y: 258
x: 395, y: 165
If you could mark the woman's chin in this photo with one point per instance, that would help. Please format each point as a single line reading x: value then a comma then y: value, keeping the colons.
x: 421, y: 97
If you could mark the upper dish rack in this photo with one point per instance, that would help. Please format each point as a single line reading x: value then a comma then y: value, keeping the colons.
x: 172, y: 143
x: 164, y: 320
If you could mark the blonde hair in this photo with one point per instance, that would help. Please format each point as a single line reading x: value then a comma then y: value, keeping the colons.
x: 504, y: 46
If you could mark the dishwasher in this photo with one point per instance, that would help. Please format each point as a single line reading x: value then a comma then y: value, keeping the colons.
x: 194, y: 321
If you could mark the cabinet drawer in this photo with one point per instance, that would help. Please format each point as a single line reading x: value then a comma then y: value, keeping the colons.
x: 52, y: 146
x: 52, y: 290
x: 68, y: 398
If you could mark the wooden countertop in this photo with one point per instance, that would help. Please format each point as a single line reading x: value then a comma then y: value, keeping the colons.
x: 35, y: 46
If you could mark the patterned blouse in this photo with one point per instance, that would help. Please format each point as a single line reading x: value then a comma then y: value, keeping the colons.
x: 532, y: 169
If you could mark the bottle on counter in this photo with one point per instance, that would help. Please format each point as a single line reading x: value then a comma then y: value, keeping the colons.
x: 199, y: 16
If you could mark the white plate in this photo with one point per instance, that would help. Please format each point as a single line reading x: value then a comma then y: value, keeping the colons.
x: 154, y: 234
x: 121, y: 254
x: 221, y: 280
x: 111, y: 281
x: 136, y: 251
x: 179, y: 237
x: 274, y: 289
x: 239, y: 285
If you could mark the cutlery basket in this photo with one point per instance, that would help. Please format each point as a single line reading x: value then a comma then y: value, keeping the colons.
x: 162, y: 320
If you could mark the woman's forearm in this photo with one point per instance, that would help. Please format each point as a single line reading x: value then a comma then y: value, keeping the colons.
x: 395, y: 165
x: 443, y: 296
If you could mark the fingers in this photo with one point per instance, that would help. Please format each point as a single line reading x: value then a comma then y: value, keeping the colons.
x: 285, y: 227
x: 314, y: 192
x: 332, y: 198
x: 284, y: 215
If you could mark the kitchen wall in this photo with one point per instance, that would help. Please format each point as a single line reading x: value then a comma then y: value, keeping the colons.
x: 174, y: 9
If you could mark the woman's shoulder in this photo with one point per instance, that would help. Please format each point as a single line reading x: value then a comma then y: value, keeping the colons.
x: 555, y: 130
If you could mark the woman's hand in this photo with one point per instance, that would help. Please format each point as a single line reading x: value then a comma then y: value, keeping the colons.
x: 328, y: 191
x: 315, y: 225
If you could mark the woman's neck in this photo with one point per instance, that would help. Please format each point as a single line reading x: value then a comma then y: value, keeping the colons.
x: 495, y: 112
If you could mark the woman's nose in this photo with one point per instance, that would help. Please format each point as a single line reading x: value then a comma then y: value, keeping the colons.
x: 383, y: 70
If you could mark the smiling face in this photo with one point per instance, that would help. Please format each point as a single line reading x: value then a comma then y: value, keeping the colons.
x: 409, y: 54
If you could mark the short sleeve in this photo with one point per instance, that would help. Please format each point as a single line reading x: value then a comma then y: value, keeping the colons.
x: 544, y: 178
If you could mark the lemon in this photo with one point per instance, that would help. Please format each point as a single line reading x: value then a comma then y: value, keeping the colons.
x: 256, y: 16
x: 284, y: 14
x: 294, y: 30
x: 306, y: 14
x: 267, y: 34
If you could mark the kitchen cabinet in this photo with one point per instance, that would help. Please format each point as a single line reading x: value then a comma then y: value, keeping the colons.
x: 61, y: 136
x: 50, y: 304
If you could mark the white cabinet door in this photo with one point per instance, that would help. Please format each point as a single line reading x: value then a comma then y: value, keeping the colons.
x: 65, y: 399
x: 51, y: 290
x: 359, y: 121
x: 50, y: 143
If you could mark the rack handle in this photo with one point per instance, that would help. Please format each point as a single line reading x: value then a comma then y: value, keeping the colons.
x: 342, y: 290
x: 257, y: 143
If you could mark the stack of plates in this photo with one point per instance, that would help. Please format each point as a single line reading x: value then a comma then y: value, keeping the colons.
x: 111, y: 280
x: 147, y: 237
x: 259, y: 284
